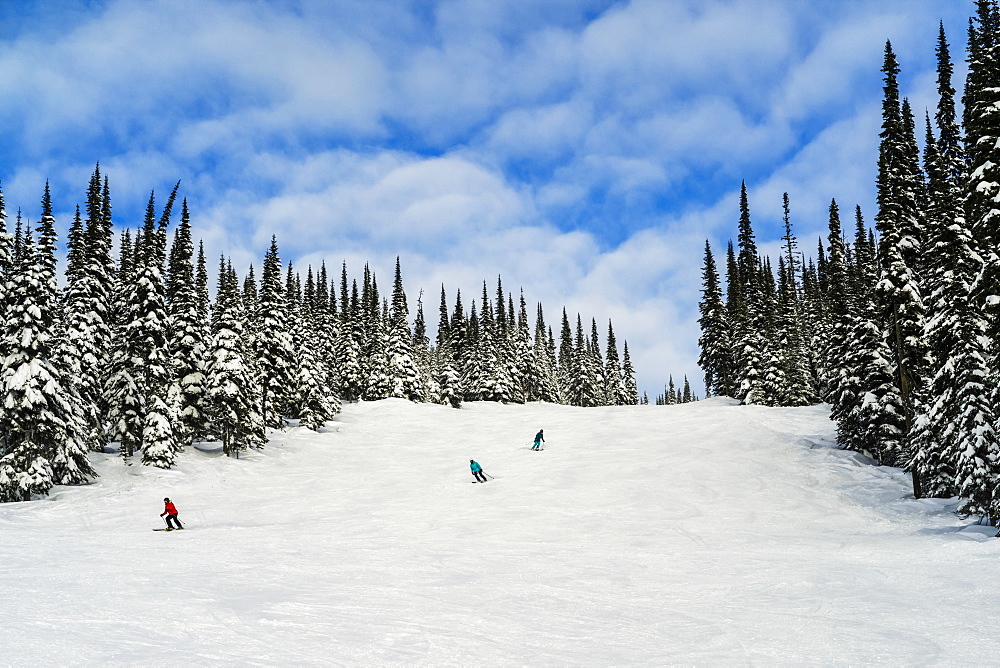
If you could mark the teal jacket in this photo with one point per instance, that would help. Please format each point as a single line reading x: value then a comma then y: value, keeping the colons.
x: 539, y: 438
x: 475, y: 467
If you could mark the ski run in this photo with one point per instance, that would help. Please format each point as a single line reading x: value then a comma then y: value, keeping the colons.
x: 704, y: 533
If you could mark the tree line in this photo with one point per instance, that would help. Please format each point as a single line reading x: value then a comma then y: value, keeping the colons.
x: 898, y: 328
x: 134, y: 351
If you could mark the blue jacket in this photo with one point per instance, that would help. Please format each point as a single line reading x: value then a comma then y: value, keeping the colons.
x: 475, y: 467
x: 539, y: 438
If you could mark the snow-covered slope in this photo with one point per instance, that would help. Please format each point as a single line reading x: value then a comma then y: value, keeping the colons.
x: 703, y: 533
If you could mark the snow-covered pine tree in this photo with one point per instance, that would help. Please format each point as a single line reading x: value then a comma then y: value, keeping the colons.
x: 628, y: 377
x: 405, y: 380
x: 349, y: 348
x: 73, y: 436
x: 524, y: 354
x: 747, y: 314
x: 583, y: 387
x: 153, y: 328
x: 954, y: 444
x: 842, y: 390
x: 188, y: 333
x: 445, y: 368
x: 507, y: 380
x: 899, y: 220
x: 472, y: 363
x: 982, y: 134
x: 797, y: 387
x: 326, y: 326
x: 140, y: 366
x: 597, y: 366
x: 792, y: 326
x: 369, y: 313
x: 251, y: 306
x: 564, y: 368
x: 42, y: 423
x: 515, y: 365
x: 201, y: 284
x: 77, y: 352
x: 546, y: 383
x: 866, y: 368
x: 275, y: 352
x: 715, y: 342
x: 100, y: 267
x: 423, y: 354
x: 250, y: 310
x: 25, y: 468
x: 489, y: 352
x: 773, y: 383
x: 232, y: 396
x: 614, y: 388
x: 158, y: 442
x: 379, y: 383
x: 312, y: 401
x: 458, y: 337
x: 982, y: 192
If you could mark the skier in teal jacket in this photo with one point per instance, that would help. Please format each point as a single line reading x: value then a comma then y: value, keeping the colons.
x: 477, y: 470
x: 539, y: 439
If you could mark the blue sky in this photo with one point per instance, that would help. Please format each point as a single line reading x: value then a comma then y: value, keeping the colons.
x: 582, y: 149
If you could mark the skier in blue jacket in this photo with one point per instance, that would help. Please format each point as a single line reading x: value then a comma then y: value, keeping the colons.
x: 539, y: 439
x: 477, y: 470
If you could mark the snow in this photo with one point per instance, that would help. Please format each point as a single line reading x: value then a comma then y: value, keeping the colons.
x: 702, y: 533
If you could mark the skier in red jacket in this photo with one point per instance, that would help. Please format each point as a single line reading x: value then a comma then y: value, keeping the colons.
x: 171, y: 512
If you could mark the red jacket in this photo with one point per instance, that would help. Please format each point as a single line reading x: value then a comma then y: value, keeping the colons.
x: 169, y: 509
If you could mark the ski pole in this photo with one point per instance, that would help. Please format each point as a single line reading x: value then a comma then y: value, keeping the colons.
x: 488, y: 475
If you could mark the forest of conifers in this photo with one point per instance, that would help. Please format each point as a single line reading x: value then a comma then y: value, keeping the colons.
x: 134, y: 351
x: 900, y: 330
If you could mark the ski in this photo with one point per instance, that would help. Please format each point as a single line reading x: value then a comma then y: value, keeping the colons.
x: 162, y: 529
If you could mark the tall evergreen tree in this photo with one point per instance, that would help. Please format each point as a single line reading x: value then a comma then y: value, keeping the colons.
x: 545, y: 385
x: 81, y: 349
x: 311, y: 400
x: 446, y: 376
x: 716, y: 341
x: 596, y: 361
x: 349, y: 349
x: 275, y: 351
x: 232, y: 396
x: 900, y: 224
x: 402, y: 368
x: 614, y: 387
x: 41, y: 421
x: 957, y: 444
x: 628, y: 378
x: 748, y: 317
x: 188, y: 333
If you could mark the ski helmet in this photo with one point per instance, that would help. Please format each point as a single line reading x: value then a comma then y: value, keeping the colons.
x: 165, y: 499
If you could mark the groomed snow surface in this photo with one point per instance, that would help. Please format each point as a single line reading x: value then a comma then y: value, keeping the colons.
x: 704, y: 533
